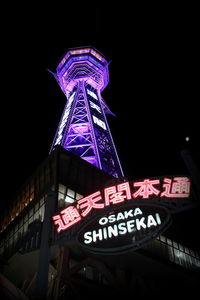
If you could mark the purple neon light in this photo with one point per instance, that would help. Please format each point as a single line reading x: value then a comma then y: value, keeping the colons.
x: 82, y: 75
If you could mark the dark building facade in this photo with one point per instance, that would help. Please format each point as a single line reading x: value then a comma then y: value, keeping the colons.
x: 40, y: 262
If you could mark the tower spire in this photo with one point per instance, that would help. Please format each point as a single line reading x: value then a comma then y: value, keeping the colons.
x: 83, y: 129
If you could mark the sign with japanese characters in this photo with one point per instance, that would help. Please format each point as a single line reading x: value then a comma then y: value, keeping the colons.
x: 170, y: 192
x: 124, y: 215
x: 124, y: 228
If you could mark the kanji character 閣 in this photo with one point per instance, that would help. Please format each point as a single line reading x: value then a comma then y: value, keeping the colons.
x: 117, y: 194
x: 146, y: 188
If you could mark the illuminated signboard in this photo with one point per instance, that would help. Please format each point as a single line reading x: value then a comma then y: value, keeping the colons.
x: 124, y: 228
x: 132, y: 212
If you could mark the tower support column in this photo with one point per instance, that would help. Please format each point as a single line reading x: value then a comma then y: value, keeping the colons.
x: 44, y: 252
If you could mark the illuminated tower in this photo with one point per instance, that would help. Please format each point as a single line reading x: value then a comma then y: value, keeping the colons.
x: 83, y: 129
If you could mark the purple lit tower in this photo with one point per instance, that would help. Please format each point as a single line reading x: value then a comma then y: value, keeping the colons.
x: 83, y: 129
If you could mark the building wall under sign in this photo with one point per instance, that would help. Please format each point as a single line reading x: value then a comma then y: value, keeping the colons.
x: 70, y: 178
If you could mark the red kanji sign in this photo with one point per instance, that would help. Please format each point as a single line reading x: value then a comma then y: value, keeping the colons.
x: 179, y: 187
x: 117, y: 194
x: 174, y: 187
x: 68, y: 217
x: 90, y: 202
x: 146, y: 188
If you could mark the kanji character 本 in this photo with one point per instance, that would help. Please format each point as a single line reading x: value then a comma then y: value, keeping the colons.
x: 90, y: 202
x: 178, y: 188
x: 66, y: 218
x: 117, y: 194
x: 146, y: 188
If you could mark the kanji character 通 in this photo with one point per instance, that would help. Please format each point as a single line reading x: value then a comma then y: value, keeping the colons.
x: 66, y: 218
x: 178, y: 188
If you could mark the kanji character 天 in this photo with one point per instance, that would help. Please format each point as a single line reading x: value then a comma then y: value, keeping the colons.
x: 90, y: 202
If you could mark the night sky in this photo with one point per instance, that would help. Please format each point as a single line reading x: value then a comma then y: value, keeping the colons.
x: 153, y: 89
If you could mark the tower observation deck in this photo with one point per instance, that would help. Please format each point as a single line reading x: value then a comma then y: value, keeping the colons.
x: 83, y: 129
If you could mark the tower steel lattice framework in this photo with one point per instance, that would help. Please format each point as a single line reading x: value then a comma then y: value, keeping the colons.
x: 83, y: 129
